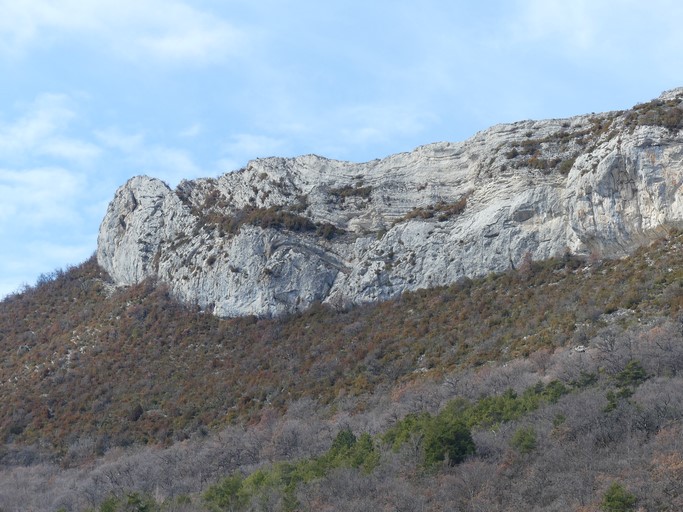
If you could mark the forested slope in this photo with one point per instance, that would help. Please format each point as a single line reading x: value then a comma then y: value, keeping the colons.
x: 126, y: 396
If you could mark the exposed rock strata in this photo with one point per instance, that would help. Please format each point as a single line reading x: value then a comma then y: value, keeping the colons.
x: 281, y: 234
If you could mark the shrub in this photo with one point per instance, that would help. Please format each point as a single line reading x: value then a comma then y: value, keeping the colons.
x: 328, y: 231
x: 442, y: 210
x: 235, y: 492
x: 667, y: 114
x: 618, y: 499
x: 132, y: 502
x: 352, y: 191
x: 566, y: 165
x: 138, y: 503
x: 226, y: 495
x: 448, y: 439
x: 632, y: 375
x: 402, y: 431
x: 349, y: 451
x: 343, y: 442
x: 554, y: 390
x: 524, y: 440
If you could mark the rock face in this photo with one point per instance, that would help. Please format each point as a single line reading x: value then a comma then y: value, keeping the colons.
x: 281, y: 234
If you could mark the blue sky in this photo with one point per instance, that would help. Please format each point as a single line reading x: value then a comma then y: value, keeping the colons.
x: 95, y: 92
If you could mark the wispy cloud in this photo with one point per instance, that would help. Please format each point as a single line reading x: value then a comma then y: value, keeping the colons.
x: 594, y: 31
x: 568, y: 23
x: 34, y: 197
x: 377, y: 123
x: 169, y: 31
x: 170, y: 164
x: 114, y: 138
x: 52, y: 197
x: 251, y: 145
x: 43, y: 130
x: 354, y: 128
x: 41, y: 223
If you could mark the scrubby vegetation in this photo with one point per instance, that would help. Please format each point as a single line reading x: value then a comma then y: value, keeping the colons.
x: 275, y: 217
x: 668, y: 114
x: 186, y: 370
x: 283, y: 478
x: 558, y: 151
x: 347, y: 191
x: 431, y: 446
x: 441, y: 210
x: 541, y: 388
x: 215, y: 214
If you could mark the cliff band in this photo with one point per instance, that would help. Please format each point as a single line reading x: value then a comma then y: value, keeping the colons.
x: 281, y: 234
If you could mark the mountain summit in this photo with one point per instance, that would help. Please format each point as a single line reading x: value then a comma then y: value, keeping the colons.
x: 283, y: 233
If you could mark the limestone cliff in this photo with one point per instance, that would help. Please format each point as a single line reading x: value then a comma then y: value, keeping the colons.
x: 281, y: 234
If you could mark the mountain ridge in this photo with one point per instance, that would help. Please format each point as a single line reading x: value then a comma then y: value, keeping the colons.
x: 284, y: 233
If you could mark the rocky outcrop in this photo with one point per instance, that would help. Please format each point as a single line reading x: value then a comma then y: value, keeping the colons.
x: 281, y: 234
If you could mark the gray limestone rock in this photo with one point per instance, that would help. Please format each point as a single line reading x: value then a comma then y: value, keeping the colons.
x: 281, y: 234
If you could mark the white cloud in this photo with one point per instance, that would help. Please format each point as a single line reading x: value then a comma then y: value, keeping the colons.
x: 359, y: 128
x: 572, y: 23
x: 45, y: 188
x: 168, y: 164
x: 35, y: 197
x: 197, y: 44
x: 40, y: 131
x: 164, y: 30
x: 164, y: 162
x: 374, y: 123
x: 609, y: 29
x: 116, y: 139
x: 249, y: 145
x: 69, y: 149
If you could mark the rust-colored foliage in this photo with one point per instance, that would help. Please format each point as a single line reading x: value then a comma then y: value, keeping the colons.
x: 133, y: 365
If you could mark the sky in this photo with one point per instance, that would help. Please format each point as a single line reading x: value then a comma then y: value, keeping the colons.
x: 94, y: 92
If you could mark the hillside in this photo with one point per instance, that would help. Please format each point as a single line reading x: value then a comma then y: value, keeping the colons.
x: 488, y: 325
x: 134, y: 365
x: 89, y: 370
